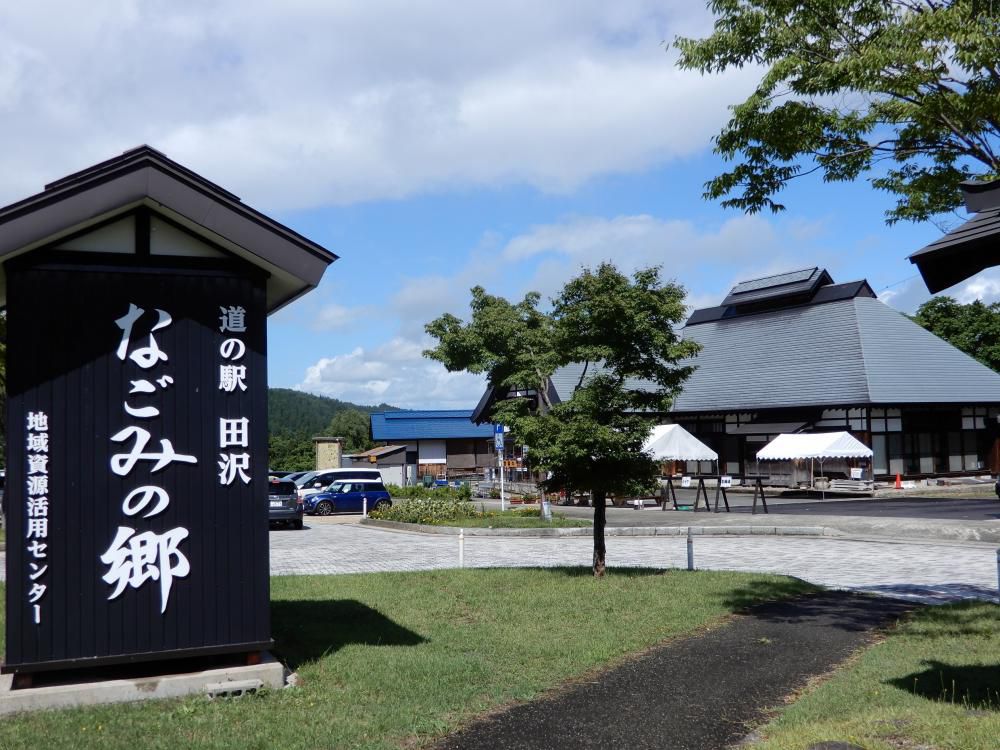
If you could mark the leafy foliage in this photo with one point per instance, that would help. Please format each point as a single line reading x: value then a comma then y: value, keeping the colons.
x: 973, y: 328
x: 291, y: 451
x: 621, y: 330
x: 295, y: 411
x: 463, y: 492
x: 443, y: 510
x: 355, y: 427
x: 295, y: 418
x: 427, y: 510
x: 907, y: 90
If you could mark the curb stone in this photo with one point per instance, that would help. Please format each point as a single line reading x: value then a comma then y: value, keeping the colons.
x: 608, y: 531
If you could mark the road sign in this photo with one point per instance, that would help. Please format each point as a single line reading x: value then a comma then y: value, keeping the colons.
x: 498, y: 437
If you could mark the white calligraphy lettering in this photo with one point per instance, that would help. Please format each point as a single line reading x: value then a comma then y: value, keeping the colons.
x: 231, y: 464
x: 134, y: 559
x: 145, y: 496
x: 123, y: 463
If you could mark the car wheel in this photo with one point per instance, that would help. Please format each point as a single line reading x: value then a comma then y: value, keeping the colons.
x: 382, y: 505
x: 323, y: 508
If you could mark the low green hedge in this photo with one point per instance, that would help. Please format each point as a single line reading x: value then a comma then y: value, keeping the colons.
x: 418, y: 491
x: 441, y: 506
x: 444, y: 510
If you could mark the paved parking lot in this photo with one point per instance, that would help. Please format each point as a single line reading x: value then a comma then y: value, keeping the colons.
x: 923, y: 570
x: 954, y: 509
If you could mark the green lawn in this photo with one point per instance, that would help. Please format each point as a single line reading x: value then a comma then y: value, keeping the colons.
x: 397, y: 659
x: 508, y: 521
x: 933, y: 683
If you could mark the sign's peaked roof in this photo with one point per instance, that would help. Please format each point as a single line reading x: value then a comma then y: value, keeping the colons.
x: 146, y: 177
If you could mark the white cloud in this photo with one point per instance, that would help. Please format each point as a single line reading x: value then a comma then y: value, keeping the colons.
x: 334, y: 317
x: 984, y: 286
x: 313, y: 103
x: 547, y: 256
x: 394, y: 372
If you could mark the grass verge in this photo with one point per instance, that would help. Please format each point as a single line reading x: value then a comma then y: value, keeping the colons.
x: 396, y: 659
x: 932, y: 683
x: 515, y: 520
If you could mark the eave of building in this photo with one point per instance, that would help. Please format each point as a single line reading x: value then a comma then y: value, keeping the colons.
x: 969, y: 248
x: 144, y: 177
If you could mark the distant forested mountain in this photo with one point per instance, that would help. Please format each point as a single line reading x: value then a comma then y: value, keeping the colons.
x: 297, y: 412
x: 295, y: 418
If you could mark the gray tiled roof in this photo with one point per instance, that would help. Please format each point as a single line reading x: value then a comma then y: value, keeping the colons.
x: 853, y: 351
x: 849, y: 351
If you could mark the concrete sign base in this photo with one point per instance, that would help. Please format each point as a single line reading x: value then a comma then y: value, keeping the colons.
x: 225, y: 682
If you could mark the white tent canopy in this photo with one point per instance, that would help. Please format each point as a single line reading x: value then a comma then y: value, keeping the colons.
x: 818, y: 446
x: 671, y: 442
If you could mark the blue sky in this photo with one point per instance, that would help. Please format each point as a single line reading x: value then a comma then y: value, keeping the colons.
x: 431, y: 148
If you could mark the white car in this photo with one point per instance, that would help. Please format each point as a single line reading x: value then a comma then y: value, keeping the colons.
x: 320, y: 480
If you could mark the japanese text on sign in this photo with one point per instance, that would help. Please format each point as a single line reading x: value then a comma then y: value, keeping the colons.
x: 135, y: 557
x: 37, y: 505
x: 233, y: 432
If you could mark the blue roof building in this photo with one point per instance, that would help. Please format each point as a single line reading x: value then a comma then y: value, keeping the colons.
x: 400, y: 426
x: 438, y: 442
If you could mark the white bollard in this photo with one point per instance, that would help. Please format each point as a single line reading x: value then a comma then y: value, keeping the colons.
x: 461, y: 548
x: 690, y: 550
x: 364, y: 507
x: 998, y: 569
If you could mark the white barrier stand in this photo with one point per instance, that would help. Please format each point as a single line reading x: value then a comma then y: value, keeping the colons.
x: 364, y: 507
x: 461, y: 548
x: 690, y: 550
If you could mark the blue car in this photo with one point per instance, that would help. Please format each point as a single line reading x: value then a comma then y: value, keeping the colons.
x: 348, y: 496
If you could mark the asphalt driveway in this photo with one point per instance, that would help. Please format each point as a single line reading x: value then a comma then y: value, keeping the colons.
x: 957, y: 509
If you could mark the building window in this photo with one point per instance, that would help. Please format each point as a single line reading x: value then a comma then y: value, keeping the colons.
x: 887, y: 420
x: 974, y: 417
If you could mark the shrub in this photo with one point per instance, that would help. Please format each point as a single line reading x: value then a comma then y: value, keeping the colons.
x: 440, y: 506
x: 418, y: 491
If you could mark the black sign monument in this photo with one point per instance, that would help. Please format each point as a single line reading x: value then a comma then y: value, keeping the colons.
x: 137, y: 294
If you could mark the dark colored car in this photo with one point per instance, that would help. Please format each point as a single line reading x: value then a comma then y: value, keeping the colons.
x: 284, y: 503
x: 349, y: 496
x: 996, y: 488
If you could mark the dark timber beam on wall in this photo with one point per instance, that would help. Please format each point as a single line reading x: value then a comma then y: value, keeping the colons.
x: 142, y: 222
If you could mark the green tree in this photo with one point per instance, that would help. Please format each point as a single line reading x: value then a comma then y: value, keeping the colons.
x: 352, y: 425
x: 291, y: 451
x: 622, y: 331
x: 973, y: 328
x: 907, y: 91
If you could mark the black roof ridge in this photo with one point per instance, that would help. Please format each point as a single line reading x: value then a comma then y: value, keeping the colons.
x: 138, y: 154
x: 823, y: 295
x: 776, y: 275
x: 147, y: 156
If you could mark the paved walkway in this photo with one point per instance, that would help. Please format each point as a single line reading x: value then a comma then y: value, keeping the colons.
x: 924, y: 571
x: 698, y: 692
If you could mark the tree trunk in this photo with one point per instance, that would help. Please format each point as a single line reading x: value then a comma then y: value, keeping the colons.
x: 599, y: 522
